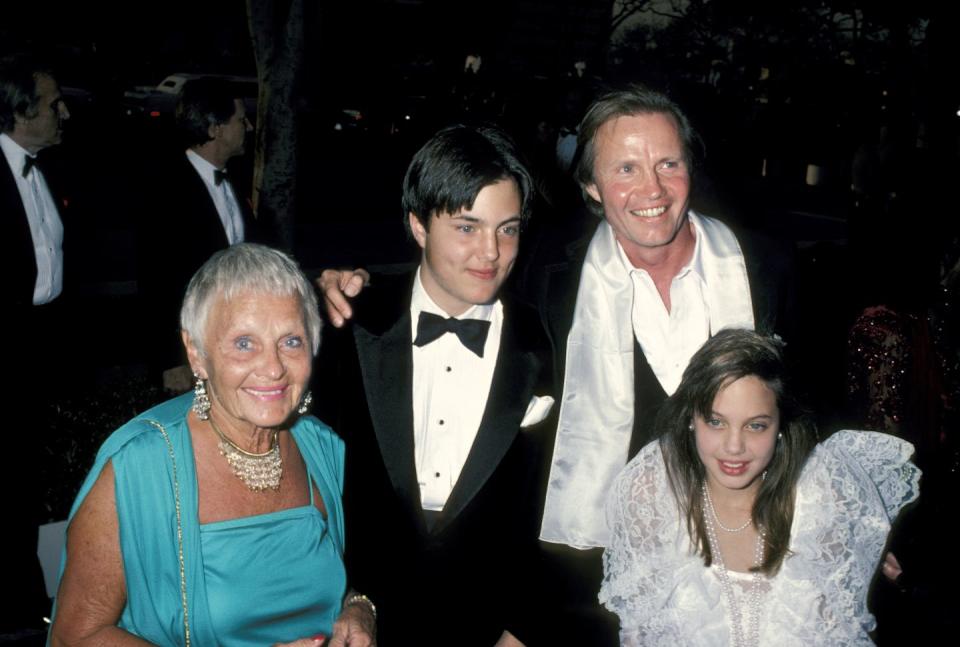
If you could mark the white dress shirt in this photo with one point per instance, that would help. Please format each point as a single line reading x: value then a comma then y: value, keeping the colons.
x: 669, y: 339
x: 223, y: 197
x: 613, y: 309
x: 451, y: 386
x: 46, y: 228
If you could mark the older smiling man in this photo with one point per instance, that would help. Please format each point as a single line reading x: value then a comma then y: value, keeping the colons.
x: 626, y: 307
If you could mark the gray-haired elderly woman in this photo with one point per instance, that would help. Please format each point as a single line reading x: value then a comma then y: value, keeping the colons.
x: 215, y: 518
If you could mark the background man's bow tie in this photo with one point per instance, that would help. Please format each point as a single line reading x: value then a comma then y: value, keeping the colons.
x: 28, y: 163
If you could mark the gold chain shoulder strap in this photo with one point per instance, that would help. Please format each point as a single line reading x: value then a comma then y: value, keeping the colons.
x: 176, y: 496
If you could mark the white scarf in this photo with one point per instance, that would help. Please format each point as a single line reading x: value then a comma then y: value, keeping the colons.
x: 596, y: 413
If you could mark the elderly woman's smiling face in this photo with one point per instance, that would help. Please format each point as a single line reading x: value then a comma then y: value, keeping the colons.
x: 257, y: 360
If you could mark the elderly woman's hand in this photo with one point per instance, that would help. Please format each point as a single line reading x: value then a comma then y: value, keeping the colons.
x: 356, y: 627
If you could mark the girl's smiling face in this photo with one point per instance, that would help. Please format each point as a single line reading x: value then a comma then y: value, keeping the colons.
x: 737, y: 439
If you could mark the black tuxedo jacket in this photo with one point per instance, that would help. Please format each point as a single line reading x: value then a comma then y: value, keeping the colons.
x: 470, y: 574
x: 17, y: 258
x: 40, y: 363
x: 178, y: 230
x: 179, y: 225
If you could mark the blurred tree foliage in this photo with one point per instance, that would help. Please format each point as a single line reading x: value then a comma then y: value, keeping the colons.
x: 744, y: 35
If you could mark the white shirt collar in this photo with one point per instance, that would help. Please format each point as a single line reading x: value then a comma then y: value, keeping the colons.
x: 204, y: 168
x: 14, y: 152
x: 695, y: 264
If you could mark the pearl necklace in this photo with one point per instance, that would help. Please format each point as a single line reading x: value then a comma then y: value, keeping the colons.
x: 753, y: 609
x: 257, y: 471
x: 713, y: 511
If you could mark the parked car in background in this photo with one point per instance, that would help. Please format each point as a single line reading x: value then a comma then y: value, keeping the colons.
x: 158, y: 102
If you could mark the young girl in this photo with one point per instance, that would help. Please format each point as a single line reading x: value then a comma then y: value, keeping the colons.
x: 736, y: 528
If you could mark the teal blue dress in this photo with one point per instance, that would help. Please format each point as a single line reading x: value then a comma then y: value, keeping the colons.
x: 251, y: 581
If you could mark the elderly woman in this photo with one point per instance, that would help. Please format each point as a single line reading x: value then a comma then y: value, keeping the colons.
x: 736, y: 528
x: 215, y: 518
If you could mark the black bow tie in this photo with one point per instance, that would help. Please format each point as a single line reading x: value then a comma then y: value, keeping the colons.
x: 28, y: 163
x: 471, y: 332
x: 219, y: 175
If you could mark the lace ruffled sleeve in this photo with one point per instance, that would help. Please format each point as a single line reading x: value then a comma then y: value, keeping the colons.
x: 884, y: 461
x: 648, y: 556
x: 851, y: 489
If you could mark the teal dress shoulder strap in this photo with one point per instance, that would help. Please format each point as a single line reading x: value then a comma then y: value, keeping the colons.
x: 323, y: 452
x: 152, y: 460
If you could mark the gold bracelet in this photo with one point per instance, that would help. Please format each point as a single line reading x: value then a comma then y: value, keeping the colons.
x: 360, y: 598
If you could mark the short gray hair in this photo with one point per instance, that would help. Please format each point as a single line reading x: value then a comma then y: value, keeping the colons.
x: 247, y: 267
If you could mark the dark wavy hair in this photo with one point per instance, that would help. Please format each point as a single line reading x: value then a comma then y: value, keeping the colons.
x: 451, y: 169
x: 728, y: 356
x: 204, y: 103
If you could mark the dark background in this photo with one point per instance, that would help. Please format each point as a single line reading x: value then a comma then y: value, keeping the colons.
x: 772, y: 87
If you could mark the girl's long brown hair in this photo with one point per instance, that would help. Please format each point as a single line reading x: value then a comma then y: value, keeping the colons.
x: 729, y: 356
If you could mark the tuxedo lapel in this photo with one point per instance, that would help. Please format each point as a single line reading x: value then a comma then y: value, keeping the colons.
x: 511, y: 388
x: 386, y: 362
x: 205, y: 221
x: 557, y: 299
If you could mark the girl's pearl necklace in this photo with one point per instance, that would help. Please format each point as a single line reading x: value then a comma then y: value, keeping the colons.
x: 753, y: 600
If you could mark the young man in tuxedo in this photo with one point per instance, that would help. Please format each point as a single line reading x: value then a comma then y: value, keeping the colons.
x: 439, y: 389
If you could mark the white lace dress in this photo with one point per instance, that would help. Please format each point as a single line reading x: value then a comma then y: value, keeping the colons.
x: 852, y: 487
